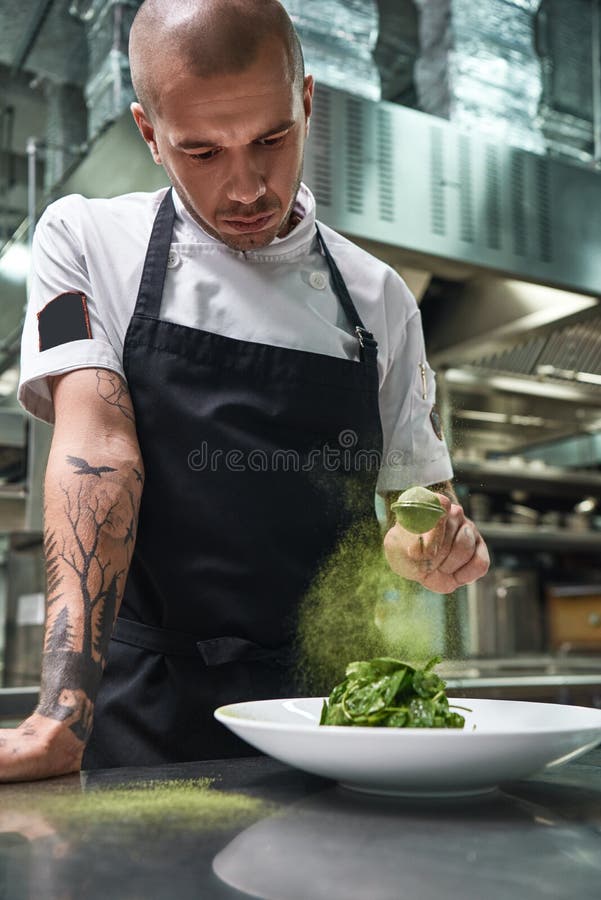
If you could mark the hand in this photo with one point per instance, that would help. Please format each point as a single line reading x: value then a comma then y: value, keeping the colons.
x: 39, y: 748
x: 453, y: 553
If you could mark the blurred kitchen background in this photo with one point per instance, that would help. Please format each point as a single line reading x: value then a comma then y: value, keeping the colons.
x: 461, y: 143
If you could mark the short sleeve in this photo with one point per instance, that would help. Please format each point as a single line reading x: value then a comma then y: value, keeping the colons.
x: 415, y: 451
x: 63, y: 327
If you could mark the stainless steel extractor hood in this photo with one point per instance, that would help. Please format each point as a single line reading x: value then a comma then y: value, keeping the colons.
x: 421, y: 192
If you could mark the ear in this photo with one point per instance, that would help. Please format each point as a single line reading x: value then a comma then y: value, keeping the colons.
x: 146, y: 129
x: 308, y: 88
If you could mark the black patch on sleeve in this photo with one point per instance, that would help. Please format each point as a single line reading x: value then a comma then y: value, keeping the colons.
x: 64, y: 319
x: 436, y: 420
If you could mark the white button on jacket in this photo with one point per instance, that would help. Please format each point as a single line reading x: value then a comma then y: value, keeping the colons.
x: 318, y: 280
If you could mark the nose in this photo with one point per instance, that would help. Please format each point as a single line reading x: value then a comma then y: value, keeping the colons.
x: 246, y: 183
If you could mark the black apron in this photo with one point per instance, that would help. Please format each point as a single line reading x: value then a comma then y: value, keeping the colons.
x: 258, y: 460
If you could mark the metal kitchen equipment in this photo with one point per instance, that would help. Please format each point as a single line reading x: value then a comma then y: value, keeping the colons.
x: 504, y: 614
x: 22, y: 580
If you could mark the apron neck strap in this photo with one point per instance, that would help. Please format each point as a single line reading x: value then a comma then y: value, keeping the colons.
x: 367, y: 343
x: 155, y: 263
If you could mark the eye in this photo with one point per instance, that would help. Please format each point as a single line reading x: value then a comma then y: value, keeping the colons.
x: 272, y: 141
x: 207, y: 156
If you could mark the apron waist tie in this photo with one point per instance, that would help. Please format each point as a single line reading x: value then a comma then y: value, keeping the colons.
x: 213, y: 652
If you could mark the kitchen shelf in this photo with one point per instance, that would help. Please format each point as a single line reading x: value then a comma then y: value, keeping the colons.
x: 12, y: 492
x: 563, y: 678
x: 517, y: 681
x: 539, y: 537
x: 550, y: 480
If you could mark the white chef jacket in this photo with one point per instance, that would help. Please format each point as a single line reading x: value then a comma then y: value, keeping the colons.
x: 279, y: 295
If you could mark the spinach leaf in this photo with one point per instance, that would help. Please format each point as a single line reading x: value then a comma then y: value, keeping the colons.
x: 390, y: 693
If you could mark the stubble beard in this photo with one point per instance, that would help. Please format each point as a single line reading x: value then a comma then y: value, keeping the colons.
x: 242, y: 242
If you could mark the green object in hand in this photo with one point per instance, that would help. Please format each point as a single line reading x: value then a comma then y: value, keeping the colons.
x: 389, y: 693
x: 418, y: 510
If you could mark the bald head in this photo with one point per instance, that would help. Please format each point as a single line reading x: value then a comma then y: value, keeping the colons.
x: 207, y: 37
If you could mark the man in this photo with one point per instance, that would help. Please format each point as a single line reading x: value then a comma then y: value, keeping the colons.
x: 216, y: 368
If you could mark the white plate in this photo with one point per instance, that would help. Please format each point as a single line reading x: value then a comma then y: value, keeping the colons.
x: 503, y: 740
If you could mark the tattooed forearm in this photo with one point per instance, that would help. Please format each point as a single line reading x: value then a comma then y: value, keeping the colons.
x: 113, y: 390
x: 91, y: 515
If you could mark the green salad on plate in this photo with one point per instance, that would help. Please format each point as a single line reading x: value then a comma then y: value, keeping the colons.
x: 390, y: 693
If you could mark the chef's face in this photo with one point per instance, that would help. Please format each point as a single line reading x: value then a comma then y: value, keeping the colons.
x: 232, y: 146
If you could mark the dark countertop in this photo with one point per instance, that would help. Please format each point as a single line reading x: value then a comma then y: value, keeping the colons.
x: 292, y: 836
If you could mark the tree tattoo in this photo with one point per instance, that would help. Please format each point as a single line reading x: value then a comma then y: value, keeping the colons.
x: 113, y: 390
x: 129, y: 534
x: 60, y: 636
x: 86, y: 564
x: 90, y: 515
x: 54, y: 577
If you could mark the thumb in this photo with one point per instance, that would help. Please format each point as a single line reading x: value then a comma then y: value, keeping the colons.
x: 445, y: 503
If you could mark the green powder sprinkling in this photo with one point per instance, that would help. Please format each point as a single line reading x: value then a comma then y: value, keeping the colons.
x: 357, y: 608
x: 155, y: 804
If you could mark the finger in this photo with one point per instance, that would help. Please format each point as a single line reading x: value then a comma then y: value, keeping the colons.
x: 461, y: 550
x: 428, y: 546
x: 445, y: 502
x: 442, y: 542
x: 417, y: 556
x: 476, y: 567
x: 439, y: 583
x: 443, y: 583
x: 447, y: 535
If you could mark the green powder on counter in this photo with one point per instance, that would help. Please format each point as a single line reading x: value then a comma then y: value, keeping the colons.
x: 357, y: 608
x: 160, y: 805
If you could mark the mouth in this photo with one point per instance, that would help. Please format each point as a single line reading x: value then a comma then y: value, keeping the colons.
x: 249, y: 224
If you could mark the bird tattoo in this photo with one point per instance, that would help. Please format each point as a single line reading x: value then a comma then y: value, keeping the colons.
x: 84, y: 468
